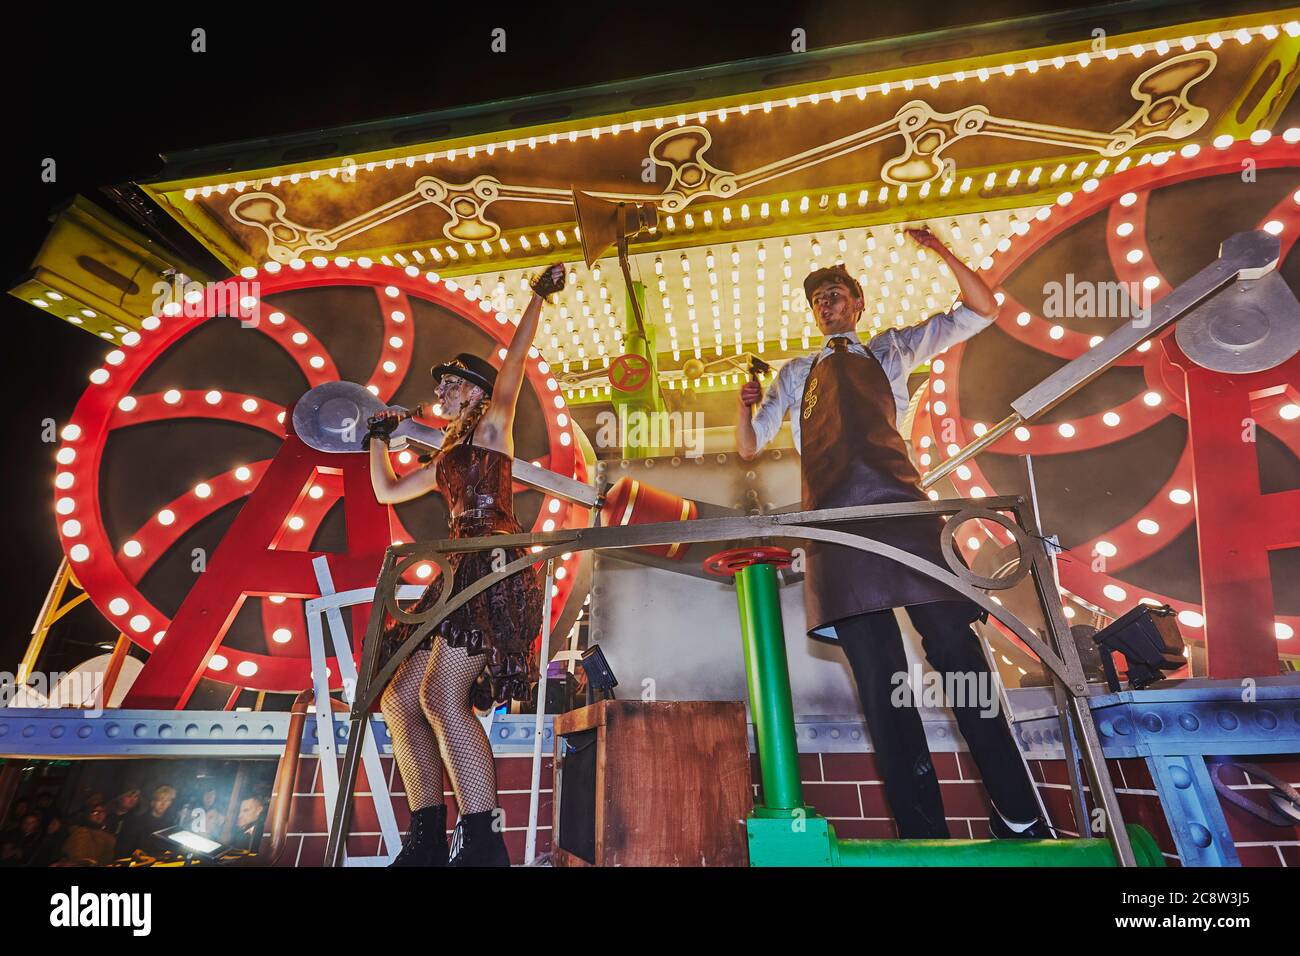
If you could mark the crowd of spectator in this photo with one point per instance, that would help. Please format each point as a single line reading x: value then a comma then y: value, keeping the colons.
x: 97, y: 831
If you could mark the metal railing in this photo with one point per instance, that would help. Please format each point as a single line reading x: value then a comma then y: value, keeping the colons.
x: 1055, y: 648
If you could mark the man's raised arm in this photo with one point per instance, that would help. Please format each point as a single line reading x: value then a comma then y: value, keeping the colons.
x: 979, y: 308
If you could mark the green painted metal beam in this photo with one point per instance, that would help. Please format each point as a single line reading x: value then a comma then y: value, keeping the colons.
x: 1049, y: 853
x: 637, y: 410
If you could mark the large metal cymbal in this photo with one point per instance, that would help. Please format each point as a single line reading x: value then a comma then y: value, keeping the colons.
x: 332, y: 417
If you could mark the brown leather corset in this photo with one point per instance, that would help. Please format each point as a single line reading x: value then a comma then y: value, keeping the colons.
x: 476, y: 484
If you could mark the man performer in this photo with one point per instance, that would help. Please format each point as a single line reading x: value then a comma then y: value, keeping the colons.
x: 845, y: 404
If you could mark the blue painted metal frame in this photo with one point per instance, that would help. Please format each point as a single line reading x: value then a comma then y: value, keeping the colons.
x: 1175, y: 729
x: 50, y: 734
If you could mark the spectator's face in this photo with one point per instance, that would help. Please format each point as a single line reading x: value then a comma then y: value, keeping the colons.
x: 54, y: 826
x: 129, y: 800
x: 161, y: 803
x: 209, y: 798
x: 31, y: 823
x: 97, y: 815
x: 248, y: 811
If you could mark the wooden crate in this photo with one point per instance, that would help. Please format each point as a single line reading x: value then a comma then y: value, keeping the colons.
x: 671, y: 784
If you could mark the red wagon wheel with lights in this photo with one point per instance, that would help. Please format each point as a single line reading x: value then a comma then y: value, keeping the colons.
x: 1114, y: 462
x: 181, y: 422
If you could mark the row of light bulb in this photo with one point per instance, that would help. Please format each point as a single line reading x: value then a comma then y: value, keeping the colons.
x: 1162, y: 47
x: 884, y: 195
x: 771, y: 212
x: 768, y: 211
x: 910, y: 286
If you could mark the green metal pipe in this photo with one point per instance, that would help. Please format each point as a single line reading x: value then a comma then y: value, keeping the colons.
x: 1089, y: 852
x: 637, y: 410
x: 768, y: 676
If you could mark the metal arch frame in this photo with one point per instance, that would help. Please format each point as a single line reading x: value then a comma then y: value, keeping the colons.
x: 1058, y: 653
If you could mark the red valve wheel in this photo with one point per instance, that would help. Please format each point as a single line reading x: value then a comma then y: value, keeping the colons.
x: 727, y: 563
x: 629, y: 372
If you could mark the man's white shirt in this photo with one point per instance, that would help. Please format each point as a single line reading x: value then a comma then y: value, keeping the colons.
x: 897, y: 350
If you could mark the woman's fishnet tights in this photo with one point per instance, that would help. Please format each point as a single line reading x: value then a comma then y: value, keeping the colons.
x: 431, y: 723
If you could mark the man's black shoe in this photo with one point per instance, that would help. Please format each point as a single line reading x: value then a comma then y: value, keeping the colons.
x: 1038, y: 830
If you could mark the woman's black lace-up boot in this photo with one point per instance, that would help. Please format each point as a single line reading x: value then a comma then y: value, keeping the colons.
x: 426, y: 843
x: 476, y: 842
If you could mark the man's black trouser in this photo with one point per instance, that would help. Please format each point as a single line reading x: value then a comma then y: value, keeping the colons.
x: 874, y: 646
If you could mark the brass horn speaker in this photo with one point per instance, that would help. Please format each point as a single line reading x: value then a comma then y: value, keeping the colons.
x: 602, y: 224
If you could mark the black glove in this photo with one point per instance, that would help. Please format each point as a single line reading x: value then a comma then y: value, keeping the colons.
x: 550, y: 281
x: 381, y: 428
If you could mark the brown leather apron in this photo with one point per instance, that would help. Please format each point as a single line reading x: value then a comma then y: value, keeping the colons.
x: 852, y: 454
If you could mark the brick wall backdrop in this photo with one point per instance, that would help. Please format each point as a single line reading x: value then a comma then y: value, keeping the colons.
x: 844, y: 787
x: 305, y: 844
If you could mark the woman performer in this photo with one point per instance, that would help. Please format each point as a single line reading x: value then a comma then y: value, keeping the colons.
x: 481, y: 655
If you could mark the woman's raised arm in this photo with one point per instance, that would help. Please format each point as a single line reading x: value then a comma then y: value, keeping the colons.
x: 498, y: 424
